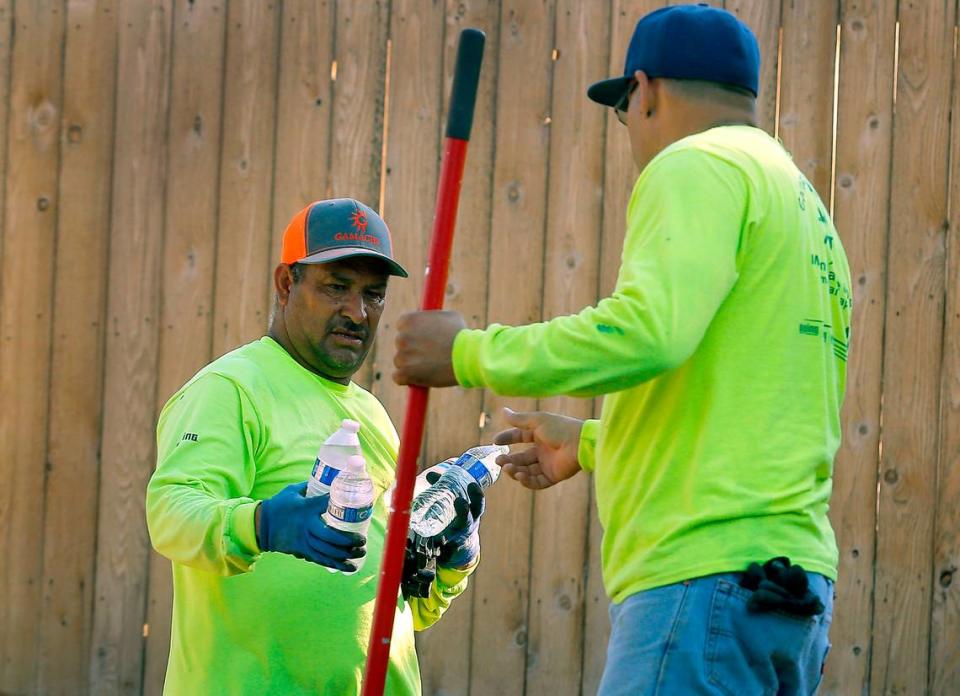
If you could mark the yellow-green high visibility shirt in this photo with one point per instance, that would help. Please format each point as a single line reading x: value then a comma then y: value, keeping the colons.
x: 247, y: 622
x: 722, y: 354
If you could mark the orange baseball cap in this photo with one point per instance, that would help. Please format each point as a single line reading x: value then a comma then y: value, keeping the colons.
x: 335, y: 229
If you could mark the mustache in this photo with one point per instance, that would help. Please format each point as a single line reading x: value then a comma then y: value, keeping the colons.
x: 348, y: 327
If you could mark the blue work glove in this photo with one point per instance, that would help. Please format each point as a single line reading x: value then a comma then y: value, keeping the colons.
x: 460, y: 541
x: 292, y: 523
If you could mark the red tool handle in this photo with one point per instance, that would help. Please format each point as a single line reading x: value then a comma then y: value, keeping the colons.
x: 459, y: 121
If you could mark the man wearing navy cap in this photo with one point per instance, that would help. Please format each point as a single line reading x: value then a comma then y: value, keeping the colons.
x: 722, y: 357
x: 254, y: 612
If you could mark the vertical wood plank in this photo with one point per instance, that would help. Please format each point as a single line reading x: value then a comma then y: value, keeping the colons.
x: 6, y: 58
x: 133, y: 311
x: 501, y: 592
x: 945, y: 621
x: 453, y: 424
x: 416, y: 81
x: 304, y: 101
x: 574, y: 226
x: 413, y: 121
x: 189, y: 244
x: 620, y: 172
x: 358, y: 97
x: 619, y: 176
x: 244, y: 259
x: 596, y: 620
x: 912, y: 349
x: 763, y: 17
x: 27, y: 279
x: 83, y: 224
x: 806, y: 87
x: 864, y: 132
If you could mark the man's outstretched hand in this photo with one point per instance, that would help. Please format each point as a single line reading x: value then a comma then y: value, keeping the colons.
x: 553, y: 457
x: 425, y: 348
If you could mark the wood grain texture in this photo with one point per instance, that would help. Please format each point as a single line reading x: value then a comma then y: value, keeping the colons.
x: 189, y: 246
x: 302, y: 173
x: 76, y: 378
x: 418, y: 92
x: 619, y: 175
x: 414, y: 109
x: 453, y: 421
x: 501, y: 592
x: 244, y: 257
x: 763, y: 17
x: 133, y: 313
x: 356, y: 146
x: 944, y: 677
x: 156, y: 225
x: 6, y: 59
x: 596, y: 620
x: 412, y: 166
x: 27, y: 279
x: 864, y: 136
x: 806, y: 86
x: 572, y: 247
x: 912, y: 350
x: 620, y: 172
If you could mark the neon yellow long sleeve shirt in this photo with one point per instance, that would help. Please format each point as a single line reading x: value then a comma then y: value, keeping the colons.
x: 244, y: 621
x: 722, y: 354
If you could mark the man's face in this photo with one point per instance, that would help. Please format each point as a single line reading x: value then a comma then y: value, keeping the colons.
x: 332, y: 313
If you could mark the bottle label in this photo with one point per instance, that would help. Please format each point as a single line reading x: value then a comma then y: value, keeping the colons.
x: 478, y: 470
x: 327, y: 473
x: 350, y: 514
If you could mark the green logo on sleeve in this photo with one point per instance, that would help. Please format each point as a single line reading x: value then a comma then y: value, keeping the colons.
x: 607, y: 329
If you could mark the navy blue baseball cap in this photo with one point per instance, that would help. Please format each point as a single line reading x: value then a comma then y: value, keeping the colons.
x: 687, y: 42
x: 338, y: 228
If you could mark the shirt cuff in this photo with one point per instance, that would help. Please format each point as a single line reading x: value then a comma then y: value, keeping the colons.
x: 586, y: 452
x: 466, y: 358
x: 243, y: 529
x: 452, y: 579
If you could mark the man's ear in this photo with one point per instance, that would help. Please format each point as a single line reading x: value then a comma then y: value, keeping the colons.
x: 282, y: 283
x: 646, y: 94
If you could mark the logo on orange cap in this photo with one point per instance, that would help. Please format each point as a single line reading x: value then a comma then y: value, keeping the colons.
x: 335, y: 229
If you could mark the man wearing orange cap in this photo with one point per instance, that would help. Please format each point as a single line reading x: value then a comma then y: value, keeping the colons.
x: 254, y: 611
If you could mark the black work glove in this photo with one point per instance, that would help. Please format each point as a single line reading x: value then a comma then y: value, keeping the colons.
x: 419, y: 572
x: 780, y: 586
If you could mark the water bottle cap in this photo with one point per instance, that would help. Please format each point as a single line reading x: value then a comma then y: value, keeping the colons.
x: 345, y: 435
x: 355, y: 464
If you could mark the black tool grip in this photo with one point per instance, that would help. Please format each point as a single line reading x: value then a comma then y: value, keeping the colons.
x: 466, y: 76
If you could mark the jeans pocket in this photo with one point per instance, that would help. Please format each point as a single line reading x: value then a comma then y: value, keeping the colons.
x: 762, y: 652
x: 731, y: 665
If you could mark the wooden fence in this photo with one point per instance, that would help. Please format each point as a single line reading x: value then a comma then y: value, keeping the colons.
x: 152, y: 151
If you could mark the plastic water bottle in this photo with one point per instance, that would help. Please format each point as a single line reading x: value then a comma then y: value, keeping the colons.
x: 333, y: 456
x: 351, y: 501
x: 440, y: 469
x: 433, y: 510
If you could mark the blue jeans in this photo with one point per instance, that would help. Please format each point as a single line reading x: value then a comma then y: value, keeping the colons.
x: 697, y: 637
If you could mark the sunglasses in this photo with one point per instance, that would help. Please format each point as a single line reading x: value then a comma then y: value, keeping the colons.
x: 623, y: 105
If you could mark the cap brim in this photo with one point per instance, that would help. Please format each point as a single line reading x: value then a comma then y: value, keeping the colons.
x: 328, y: 255
x: 608, y: 92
